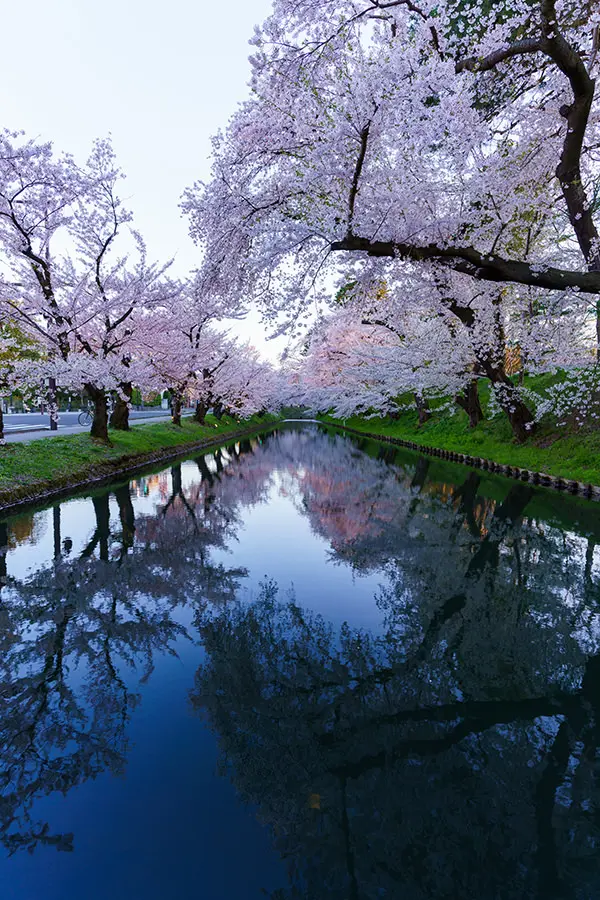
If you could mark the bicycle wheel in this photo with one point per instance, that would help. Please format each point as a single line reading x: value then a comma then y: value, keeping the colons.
x: 85, y: 418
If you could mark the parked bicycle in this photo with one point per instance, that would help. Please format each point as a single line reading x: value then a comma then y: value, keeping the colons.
x: 85, y: 417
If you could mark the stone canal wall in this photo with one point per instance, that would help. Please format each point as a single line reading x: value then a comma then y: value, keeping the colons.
x: 578, y: 488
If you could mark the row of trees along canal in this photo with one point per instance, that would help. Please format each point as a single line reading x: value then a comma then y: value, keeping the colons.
x: 423, y: 175
x: 83, y: 309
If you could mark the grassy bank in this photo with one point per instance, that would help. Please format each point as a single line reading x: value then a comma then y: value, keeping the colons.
x: 555, y: 451
x: 30, y: 470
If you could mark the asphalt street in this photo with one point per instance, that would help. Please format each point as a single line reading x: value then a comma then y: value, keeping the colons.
x: 19, y: 427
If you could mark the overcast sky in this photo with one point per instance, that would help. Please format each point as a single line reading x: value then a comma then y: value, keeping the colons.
x: 160, y: 77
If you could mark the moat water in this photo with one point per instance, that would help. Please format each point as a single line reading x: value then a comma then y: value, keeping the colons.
x: 302, y: 666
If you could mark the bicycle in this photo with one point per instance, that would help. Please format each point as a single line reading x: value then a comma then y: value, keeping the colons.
x: 85, y: 417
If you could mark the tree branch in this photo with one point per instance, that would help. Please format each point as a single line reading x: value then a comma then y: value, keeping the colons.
x: 555, y: 47
x: 484, y: 267
x: 485, y: 63
x: 364, y: 140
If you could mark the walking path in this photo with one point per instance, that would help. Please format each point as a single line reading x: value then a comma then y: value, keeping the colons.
x: 21, y: 431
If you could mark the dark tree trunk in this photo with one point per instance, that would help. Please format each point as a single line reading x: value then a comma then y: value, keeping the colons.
x: 387, y: 454
x: 467, y: 495
x: 99, y: 428
x: 177, y: 493
x: 52, y: 402
x: 127, y: 517
x: 2, y: 440
x: 519, y: 415
x: 469, y: 401
x: 120, y: 415
x: 422, y: 409
x: 176, y: 404
x: 56, y: 531
x: 219, y: 409
x: 417, y: 483
x: 200, y: 412
x: 102, y: 511
x: 205, y: 472
x: 521, y: 421
x: 101, y: 536
x: 177, y: 480
x: 3, y: 552
x: 506, y: 518
x: 420, y: 476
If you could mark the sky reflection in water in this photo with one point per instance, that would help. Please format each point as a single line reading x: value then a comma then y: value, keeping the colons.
x: 301, y: 667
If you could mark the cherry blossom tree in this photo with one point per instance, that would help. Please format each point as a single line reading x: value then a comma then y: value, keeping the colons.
x: 246, y: 384
x: 454, y: 142
x: 433, y: 338
x: 75, y: 272
x: 384, y: 146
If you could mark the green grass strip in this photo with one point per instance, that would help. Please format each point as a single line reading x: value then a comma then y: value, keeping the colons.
x: 30, y: 469
x: 555, y: 451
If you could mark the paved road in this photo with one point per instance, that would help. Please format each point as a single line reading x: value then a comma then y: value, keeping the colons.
x: 13, y: 420
x: 33, y: 426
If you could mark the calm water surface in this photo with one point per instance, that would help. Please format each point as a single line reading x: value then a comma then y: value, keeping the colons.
x: 301, y: 667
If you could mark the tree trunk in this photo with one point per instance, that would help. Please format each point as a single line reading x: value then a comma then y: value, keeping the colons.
x: 467, y: 495
x: 218, y: 409
x: 2, y: 440
x: 469, y: 401
x: 52, y: 404
x: 127, y: 517
x: 101, y: 535
x: 56, y: 532
x: 176, y: 403
x: 519, y: 415
x: 102, y: 511
x: 99, y: 428
x: 422, y: 409
x: 420, y: 476
x: 200, y: 412
x: 521, y: 421
x: 120, y: 415
x: 3, y: 552
x: 207, y: 475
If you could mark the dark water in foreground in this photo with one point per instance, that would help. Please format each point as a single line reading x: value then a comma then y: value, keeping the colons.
x: 301, y: 667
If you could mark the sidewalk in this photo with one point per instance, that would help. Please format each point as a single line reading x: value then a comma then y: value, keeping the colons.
x: 22, y: 433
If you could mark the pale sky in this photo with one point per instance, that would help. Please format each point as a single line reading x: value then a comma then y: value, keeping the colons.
x: 160, y: 77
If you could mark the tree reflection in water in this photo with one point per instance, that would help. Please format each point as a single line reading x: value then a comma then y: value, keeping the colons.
x: 453, y: 753
x: 71, y: 630
x: 384, y: 778
x: 456, y: 753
